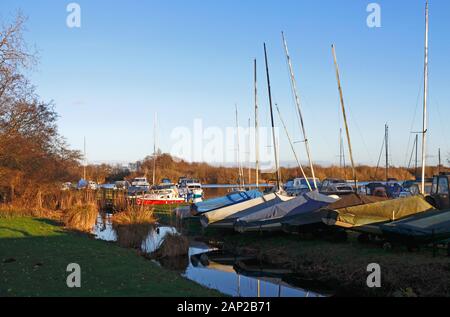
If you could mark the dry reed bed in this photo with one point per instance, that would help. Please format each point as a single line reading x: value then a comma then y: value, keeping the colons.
x: 173, y: 245
x: 81, y: 217
x: 133, y: 227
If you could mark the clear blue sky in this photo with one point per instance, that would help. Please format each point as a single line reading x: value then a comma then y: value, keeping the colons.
x: 189, y: 59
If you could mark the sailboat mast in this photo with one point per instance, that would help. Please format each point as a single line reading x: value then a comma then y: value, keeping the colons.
x: 342, y: 154
x: 297, y: 102
x: 341, y: 95
x: 241, y: 174
x: 425, y: 100
x: 292, y: 148
x: 248, y: 153
x: 417, y: 156
x: 154, y: 151
x: 256, y: 125
x: 386, y: 143
x: 273, y: 122
x: 439, y: 161
x: 85, y: 159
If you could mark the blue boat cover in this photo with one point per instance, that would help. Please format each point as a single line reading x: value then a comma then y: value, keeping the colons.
x: 224, y: 201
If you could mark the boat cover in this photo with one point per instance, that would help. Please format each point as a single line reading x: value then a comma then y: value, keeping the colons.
x: 228, y: 200
x: 426, y: 227
x: 228, y: 213
x: 269, y: 201
x: 270, y: 218
x: 315, y: 217
x: 389, y: 210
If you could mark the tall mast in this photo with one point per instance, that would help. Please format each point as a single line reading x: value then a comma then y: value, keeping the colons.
x: 342, y: 154
x: 340, y: 149
x: 425, y: 100
x: 154, y: 150
x: 85, y: 158
x: 341, y: 95
x: 297, y: 102
x: 292, y: 148
x: 241, y: 174
x: 386, y: 143
x: 256, y: 126
x: 275, y: 150
x: 417, y: 156
x: 439, y: 158
x: 248, y: 153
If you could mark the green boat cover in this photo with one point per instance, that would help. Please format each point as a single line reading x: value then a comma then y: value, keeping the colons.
x: 425, y: 228
x: 389, y: 210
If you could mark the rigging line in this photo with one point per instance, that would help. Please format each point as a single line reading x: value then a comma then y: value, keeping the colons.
x: 412, y: 153
x: 293, y: 94
x: 414, y: 116
x: 292, y: 148
x: 379, y: 158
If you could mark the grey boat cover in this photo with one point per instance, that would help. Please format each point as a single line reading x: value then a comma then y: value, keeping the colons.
x: 346, y: 201
x: 426, y: 227
x: 271, y: 217
x: 228, y: 200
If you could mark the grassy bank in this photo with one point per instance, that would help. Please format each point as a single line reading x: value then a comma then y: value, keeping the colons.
x: 34, y: 254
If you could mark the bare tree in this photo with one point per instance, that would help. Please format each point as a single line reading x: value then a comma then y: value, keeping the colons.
x: 32, y: 152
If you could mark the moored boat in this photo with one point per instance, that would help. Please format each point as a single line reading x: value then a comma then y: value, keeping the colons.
x: 368, y: 218
x: 427, y: 227
x: 271, y: 218
x: 223, y: 201
x: 166, y: 196
x: 227, y: 216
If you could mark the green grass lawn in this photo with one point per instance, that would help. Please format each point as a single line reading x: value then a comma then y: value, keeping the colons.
x: 34, y: 254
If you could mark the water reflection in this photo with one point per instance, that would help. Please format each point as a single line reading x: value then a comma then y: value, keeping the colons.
x: 221, y: 271
x: 232, y: 275
x: 149, y: 242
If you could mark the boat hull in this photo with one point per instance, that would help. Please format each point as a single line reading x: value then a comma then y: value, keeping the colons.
x: 160, y: 202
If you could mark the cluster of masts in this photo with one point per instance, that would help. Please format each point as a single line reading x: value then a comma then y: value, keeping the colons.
x: 303, y: 130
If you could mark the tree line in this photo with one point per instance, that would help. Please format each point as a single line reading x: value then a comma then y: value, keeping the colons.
x: 34, y: 157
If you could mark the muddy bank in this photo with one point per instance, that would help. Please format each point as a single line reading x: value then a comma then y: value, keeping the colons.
x: 342, y: 266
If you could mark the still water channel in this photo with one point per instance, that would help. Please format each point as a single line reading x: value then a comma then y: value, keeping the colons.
x: 227, y: 273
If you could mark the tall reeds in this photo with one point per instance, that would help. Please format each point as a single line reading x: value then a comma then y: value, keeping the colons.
x: 133, y: 227
x: 173, y: 245
x: 81, y: 217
